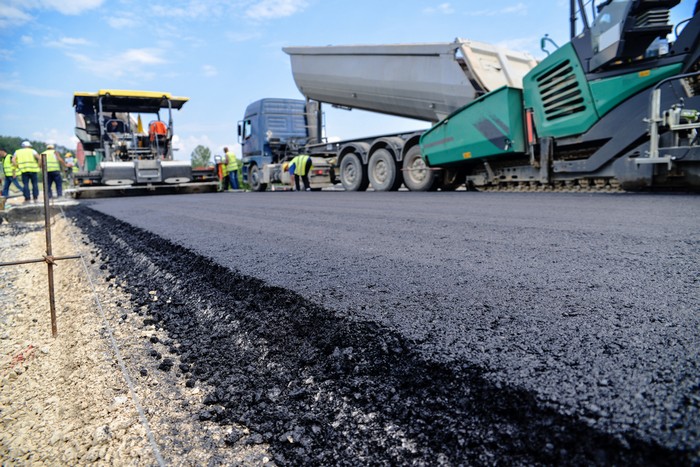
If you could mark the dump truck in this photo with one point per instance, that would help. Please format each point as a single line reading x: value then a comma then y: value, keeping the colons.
x: 271, y: 133
x: 123, y: 155
x: 614, y: 108
x: 424, y: 81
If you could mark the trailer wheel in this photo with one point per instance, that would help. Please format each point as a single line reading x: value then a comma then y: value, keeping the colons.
x: 382, y: 171
x: 255, y: 180
x: 416, y: 175
x: 353, y: 175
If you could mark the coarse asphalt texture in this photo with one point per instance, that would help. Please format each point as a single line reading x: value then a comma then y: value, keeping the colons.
x: 427, y: 328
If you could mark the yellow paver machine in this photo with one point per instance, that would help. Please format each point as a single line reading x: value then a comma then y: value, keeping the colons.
x: 126, y: 145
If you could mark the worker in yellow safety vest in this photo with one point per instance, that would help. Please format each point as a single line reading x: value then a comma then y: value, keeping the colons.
x: 11, y: 172
x: 302, y: 168
x: 27, y: 160
x: 232, y: 167
x: 54, y: 166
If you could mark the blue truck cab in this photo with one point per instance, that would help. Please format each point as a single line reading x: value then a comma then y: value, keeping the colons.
x: 270, y: 132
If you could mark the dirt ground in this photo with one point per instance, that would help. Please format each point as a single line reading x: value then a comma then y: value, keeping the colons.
x: 76, y: 399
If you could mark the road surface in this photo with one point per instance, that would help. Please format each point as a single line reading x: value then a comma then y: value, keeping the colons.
x: 579, y: 311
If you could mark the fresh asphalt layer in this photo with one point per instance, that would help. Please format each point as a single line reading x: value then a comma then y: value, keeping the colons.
x: 588, y: 302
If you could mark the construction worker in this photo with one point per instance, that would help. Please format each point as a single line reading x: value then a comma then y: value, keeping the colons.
x: 289, y: 167
x: 231, y: 167
x: 71, y: 166
x: 11, y: 173
x: 225, y: 182
x: 221, y: 172
x: 27, y: 160
x: 302, y: 167
x: 158, y: 134
x: 54, y: 166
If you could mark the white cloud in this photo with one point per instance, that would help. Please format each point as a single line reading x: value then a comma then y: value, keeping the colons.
x: 443, y: 8
x: 529, y: 44
x: 172, y: 36
x: 209, y: 70
x: 143, y: 56
x: 68, y: 7
x: 518, y: 8
x: 6, y: 55
x: 122, y: 21
x: 193, y: 10
x: 242, y: 36
x: 27, y: 40
x: 55, y: 136
x: 14, y: 13
x: 515, y: 9
x: 16, y: 86
x: 68, y: 42
x: 186, y: 146
x: 272, y: 9
x: 132, y: 63
x: 188, y: 138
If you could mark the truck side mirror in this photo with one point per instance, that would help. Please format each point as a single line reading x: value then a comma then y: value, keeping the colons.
x: 240, y: 129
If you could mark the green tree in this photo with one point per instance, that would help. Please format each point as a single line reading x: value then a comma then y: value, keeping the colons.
x: 12, y: 143
x: 201, y: 156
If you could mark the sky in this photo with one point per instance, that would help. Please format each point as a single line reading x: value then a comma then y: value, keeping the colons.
x: 225, y: 54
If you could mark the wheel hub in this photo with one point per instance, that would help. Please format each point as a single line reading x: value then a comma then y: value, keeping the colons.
x: 350, y: 174
x: 417, y: 170
x: 380, y: 171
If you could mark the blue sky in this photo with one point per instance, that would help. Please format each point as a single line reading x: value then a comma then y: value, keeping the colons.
x: 224, y: 54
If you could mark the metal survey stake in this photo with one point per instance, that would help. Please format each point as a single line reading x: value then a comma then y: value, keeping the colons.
x: 48, y: 258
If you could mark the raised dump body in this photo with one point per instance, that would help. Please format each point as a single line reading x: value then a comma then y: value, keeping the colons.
x: 420, y: 81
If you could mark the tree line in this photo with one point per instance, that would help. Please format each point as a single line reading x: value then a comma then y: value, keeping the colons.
x: 201, y: 157
x: 12, y: 143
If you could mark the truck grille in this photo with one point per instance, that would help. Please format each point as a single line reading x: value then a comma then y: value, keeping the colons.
x: 560, y: 92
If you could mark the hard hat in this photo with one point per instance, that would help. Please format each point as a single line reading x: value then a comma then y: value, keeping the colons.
x: 68, y: 154
x: 49, y: 146
x: 26, y: 144
x: 285, y: 166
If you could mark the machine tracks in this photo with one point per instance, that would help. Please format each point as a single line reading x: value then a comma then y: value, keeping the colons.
x: 596, y: 185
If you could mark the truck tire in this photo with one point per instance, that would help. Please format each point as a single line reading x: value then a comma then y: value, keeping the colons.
x: 416, y: 175
x: 353, y: 175
x: 254, y: 179
x: 382, y: 171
